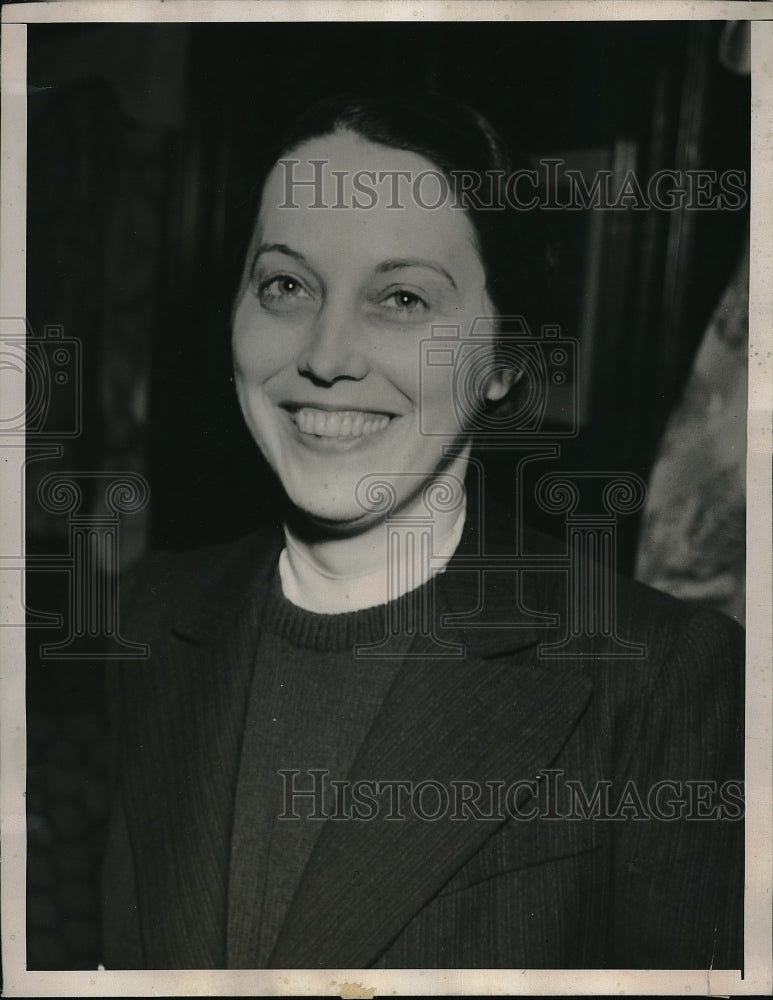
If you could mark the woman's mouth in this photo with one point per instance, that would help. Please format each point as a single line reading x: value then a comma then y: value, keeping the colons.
x: 343, y: 425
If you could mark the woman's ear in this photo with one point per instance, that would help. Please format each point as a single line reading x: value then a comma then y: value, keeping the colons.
x: 500, y: 382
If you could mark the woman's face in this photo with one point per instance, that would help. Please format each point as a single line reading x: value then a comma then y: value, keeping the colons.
x: 328, y: 326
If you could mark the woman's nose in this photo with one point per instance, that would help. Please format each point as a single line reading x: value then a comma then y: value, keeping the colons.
x: 333, y: 351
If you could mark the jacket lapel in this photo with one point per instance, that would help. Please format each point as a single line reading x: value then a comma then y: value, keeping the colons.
x: 233, y: 577
x: 473, y: 720
x: 185, y: 710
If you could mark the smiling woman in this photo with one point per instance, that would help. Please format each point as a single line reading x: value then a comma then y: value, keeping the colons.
x: 354, y: 737
x: 327, y: 334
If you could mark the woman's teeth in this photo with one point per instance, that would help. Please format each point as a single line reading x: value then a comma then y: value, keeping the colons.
x: 339, y: 423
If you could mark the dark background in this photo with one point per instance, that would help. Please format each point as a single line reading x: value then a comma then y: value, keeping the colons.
x: 143, y: 141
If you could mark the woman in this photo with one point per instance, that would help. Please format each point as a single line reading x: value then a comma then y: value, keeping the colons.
x: 324, y: 763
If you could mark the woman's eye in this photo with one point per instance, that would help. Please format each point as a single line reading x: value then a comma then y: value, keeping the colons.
x: 283, y: 291
x: 405, y: 302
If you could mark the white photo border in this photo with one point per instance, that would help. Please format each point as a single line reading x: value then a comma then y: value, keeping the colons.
x: 758, y: 961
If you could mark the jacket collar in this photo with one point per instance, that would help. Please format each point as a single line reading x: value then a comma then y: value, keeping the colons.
x: 494, y: 611
x: 230, y: 577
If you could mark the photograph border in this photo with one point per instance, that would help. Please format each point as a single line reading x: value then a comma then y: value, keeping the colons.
x: 758, y: 937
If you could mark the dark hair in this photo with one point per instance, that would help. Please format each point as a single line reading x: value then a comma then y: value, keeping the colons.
x: 458, y: 140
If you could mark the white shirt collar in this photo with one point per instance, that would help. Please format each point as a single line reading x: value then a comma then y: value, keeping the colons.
x: 424, y: 551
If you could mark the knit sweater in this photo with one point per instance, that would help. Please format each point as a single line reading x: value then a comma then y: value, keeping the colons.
x: 311, y: 702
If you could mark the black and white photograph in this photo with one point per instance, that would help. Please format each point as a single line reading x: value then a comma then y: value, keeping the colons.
x: 386, y: 574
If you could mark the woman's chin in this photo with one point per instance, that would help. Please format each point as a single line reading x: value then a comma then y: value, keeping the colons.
x: 332, y: 516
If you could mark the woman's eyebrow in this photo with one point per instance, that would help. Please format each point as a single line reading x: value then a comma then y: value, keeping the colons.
x: 395, y: 263
x: 392, y: 264
x: 280, y: 248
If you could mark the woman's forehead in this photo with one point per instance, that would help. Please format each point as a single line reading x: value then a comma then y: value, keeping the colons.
x: 344, y: 194
x: 347, y: 150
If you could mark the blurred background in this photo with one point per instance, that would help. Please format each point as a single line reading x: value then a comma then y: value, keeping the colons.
x: 143, y: 141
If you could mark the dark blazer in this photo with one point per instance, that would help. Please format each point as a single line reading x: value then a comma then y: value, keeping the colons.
x: 636, y: 891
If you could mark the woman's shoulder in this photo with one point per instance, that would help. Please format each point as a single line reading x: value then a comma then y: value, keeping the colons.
x: 629, y: 636
x: 640, y: 609
x: 636, y: 608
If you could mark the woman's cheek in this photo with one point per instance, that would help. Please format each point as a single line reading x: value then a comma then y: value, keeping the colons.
x: 260, y: 351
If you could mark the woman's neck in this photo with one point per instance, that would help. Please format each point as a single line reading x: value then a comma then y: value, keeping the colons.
x: 331, y: 574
